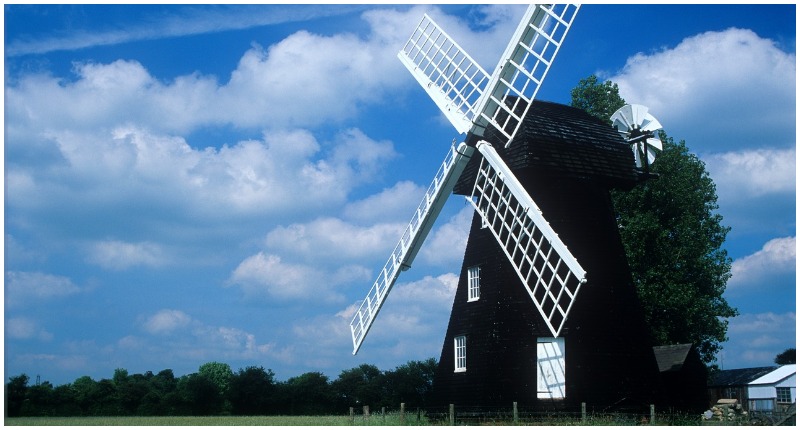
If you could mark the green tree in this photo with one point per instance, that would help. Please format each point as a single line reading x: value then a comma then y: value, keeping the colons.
x: 83, y: 388
x: 252, y: 391
x: 673, y: 239
x: 601, y: 100
x: 40, y: 401
x: 411, y: 383
x: 786, y: 357
x: 360, y: 386
x: 309, y: 394
x: 201, y: 395
x: 16, y: 390
x: 219, y: 373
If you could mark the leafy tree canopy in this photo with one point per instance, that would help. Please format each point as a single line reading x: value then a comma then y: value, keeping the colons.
x: 673, y: 238
x: 786, y: 357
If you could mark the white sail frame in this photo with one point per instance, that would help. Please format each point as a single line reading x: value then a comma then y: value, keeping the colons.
x: 551, y: 274
x: 523, y: 66
x: 411, y: 241
x: 448, y: 74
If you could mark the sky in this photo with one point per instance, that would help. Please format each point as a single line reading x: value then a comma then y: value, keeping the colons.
x: 186, y: 184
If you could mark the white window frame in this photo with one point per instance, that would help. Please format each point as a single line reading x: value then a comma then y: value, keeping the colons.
x: 786, y: 397
x: 460, y: 353
x: 550, y: 368
x: 473, y: 283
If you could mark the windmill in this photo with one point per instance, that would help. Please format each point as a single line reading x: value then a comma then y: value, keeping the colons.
x: 473, y: 100
x: 537, y: 175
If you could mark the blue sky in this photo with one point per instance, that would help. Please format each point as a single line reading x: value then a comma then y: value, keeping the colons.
x: 186, y: 184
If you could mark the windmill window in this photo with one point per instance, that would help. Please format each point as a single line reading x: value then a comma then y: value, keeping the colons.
x: 461, y: 353
x: 474, y: 283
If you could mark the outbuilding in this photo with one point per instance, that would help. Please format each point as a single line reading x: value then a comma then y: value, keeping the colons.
x: 776, y: 391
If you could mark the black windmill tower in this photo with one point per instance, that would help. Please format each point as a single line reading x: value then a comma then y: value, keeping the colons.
x: 545, y: 313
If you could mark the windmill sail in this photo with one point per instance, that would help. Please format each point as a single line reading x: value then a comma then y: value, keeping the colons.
x: 466, y: 94
x: 551, y: 275
x: 410, y: 242
x: 448, y: 74
x: 523, y: 67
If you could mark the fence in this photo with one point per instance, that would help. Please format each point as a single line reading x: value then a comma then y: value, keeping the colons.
x: 514, y: 414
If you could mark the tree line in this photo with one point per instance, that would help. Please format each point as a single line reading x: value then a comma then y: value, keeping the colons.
x: 215, y: 389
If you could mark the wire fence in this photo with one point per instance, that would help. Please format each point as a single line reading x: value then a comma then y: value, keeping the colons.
x: 515, y: 414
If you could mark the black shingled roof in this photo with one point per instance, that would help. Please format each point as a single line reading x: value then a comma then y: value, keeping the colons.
x: 735, y: 377
x: 671, y: 357
x: 561, y: 141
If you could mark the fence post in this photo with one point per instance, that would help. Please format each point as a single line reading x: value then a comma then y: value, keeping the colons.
x: 366, y: 412
x: 352, y: 415
x: 402, y: 413
x: 652, y: 415
x: 452, y: 414
x: 516, y: 413
x: 419, y: 415
x: 583, y: 412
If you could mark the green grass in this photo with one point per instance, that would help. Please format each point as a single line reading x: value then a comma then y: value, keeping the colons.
x: 390, y: 419
x: 332, y: 420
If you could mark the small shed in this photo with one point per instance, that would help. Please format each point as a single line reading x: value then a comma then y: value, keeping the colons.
x: 732, y: 383
x: 775, y: 391
x: 683, y: 377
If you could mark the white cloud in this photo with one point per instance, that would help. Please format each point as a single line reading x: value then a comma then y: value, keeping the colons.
x: 728, y: 88
x: 743, y: 175
x: 758, y: 338
x: 758, y: 271
x: 166, y: 321
x: 333, y: 239
x: 268, y: 276
x: 303, y: 80
x: 182, y: 21
x: 420, y: 308
x: 118, y: 255
x: 190, y: 337
x: 446, y: 245
x: 25, y: 288
x: 396, y: 203
x: 284, y: 173
x: 26, y: 328
x: 410, y: 326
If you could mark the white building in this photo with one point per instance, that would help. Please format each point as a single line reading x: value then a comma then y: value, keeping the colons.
x: 774, y: 391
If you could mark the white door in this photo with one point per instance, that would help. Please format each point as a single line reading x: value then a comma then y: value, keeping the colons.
x: 550, y: 368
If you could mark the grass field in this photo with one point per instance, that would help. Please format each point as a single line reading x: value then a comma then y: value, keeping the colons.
x: 332, y: 420
x: 390, y: 419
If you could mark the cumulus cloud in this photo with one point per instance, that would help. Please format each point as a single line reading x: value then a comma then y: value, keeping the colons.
x: 759, y: 271
x: 288, y: 172
x: 166, y: 321
x: 304, y: 80
x: 446, y: 245
x: 26, y: 328
x: 728, y: 88
x: 395, y: 203
x: 746, y: 174
x: 266, y: 275
x: 758, y: 338
x: 25, y: 288
x: 410, y: 326
x: 118, y: 255
x: 334, y: 239
x: 179, y: 334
